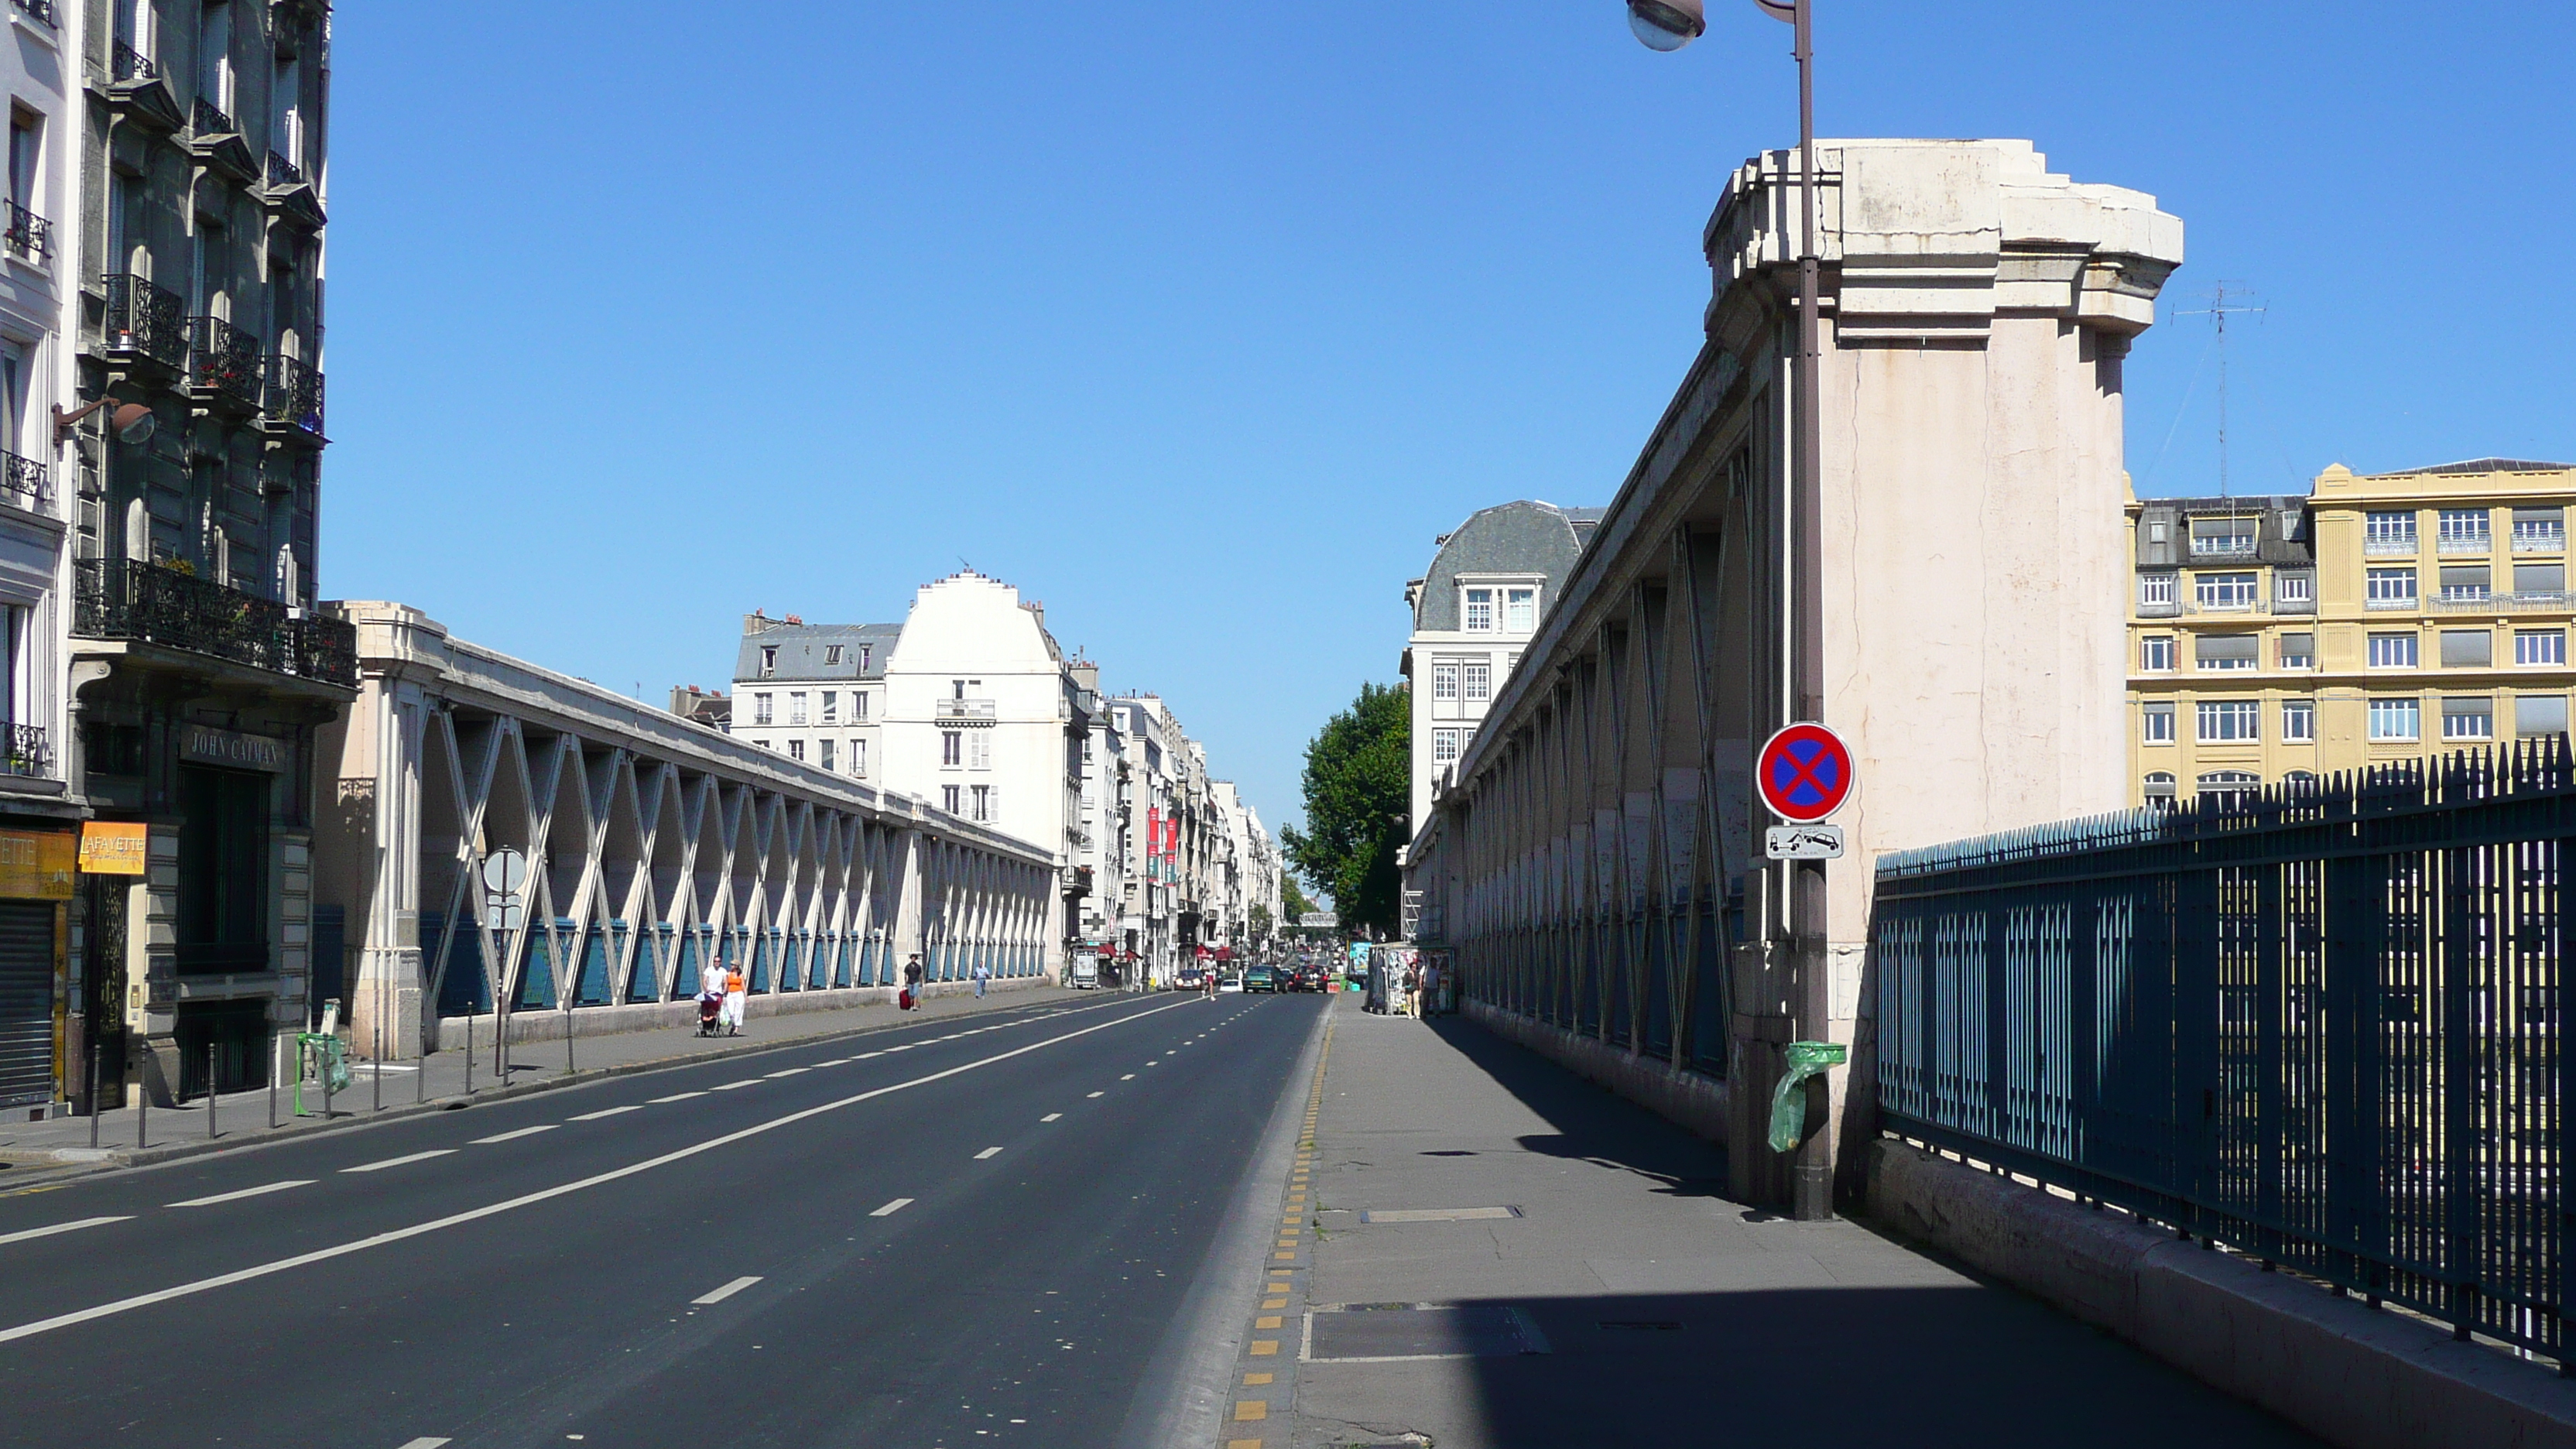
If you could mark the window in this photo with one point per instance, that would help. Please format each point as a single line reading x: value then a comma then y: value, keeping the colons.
x: 980, y: 804
x: 2548, y: 578
x: 831, y: 655
x: 1444, y: 681
x: 1480, y: 681
x: 2155, y: 654
x: 1479, y: 611
x: 2226, y: 591
x: 859, y: 758
x: 796, y: 749
x: 2227, y: 651
x: 796, y: 706
x: 2298, y: 721
x: 768, y: 660
x: 2229, y: 721
x: 2229, y: 789
x: 2540, y: 714
x: 14, y: 375
x: 2222, y: 538
x: 831, y: 705
x: 1444, y: 746
x: 2467, y: 648
x: 2154, y: 589
x: 2387, y: 533
x: 2298, y: 782
x: 764, y: 744
x: 2156, y: 723
x: 2160, y: 789
x: 2540, y: 646
x: 979, y: 750
x: 215, y: 56
x: 760, y: 709
x: 2466, y: 581
x: 2392, y: 651
x: 864, y: 651
x: 2468, y: 719
x: 2539, y: 530
x: 823, y: 753
x: 949, y: 798
x: 858, y: 704
x: 25, y: 146
x: 952, y: 748
x: 1520, y: 610
x: 2294, y: 588
x: 2464, y: 530
x: 2395, y: 719
x: 2298, y: 651
x: 2391, y: 588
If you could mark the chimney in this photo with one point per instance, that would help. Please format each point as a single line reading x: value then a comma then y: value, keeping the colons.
x: 755, y: 622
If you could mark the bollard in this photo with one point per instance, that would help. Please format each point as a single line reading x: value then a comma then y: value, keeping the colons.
x: 273, y: 1055
x: 210, y: 1091
x: 142, y: 1105
x: 567, y: 1041
x: 469, y: 1049
x: 97, y: 1064
x: 377, y: 1084
x: 326, y: 1083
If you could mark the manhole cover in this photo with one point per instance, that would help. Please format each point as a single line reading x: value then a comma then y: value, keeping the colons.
x: 1367, y: 1332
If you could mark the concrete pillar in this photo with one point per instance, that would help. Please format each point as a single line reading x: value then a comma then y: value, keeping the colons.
x: 390, y: 984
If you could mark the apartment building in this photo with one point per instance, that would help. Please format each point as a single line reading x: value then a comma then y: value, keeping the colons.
x: 1478, y: 607
x: 812, y: 692
x: 2381, y: 618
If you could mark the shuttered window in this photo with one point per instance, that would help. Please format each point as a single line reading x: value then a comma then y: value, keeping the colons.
x: 26, y: 1002
x: 2467, y: 648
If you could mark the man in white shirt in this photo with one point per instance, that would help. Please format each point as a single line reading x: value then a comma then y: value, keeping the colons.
x: 711, y: 980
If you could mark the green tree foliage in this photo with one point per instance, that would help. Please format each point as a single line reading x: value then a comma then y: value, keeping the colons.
x: 1258, y: 919
x: 1292, y: 901
x: 1358, y: 807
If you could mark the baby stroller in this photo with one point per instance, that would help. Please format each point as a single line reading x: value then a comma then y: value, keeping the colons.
x: 710, y: 1013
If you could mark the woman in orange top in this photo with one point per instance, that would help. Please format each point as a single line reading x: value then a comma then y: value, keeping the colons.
x: 734, y: 988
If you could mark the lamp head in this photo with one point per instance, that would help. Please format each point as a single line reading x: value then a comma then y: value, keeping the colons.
x: 133, y: 422
x: 1666, y: 24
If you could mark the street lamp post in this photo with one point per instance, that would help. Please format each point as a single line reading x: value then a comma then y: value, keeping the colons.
x: 1669, y: 25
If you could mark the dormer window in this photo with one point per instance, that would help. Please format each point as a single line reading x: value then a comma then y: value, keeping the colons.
x: 768, y: 660
x: 1520, y: 610
x: 1477, y: 615
x: 831, y: 654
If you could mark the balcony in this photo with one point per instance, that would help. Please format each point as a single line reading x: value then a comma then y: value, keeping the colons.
x: 2376, y: 603
x: 27, y: 752
x: 39, y: 10
x: 2539, y: 540
x: 2231, y: 546
x: 154, y: 604
x: 216, y: 138
x: 2465, y: 544
x: 26, y: 236
x: 208, y: 119
x: 136, y: 88
x: 2544, y: 601
x: 295, y: 397
x: 131, y: 64
x: 25, y: 482
x: 288, y: 193
x: 2400, y: 547
x: 144, y: 322
x: 224, y: 362
x: 964, y: 711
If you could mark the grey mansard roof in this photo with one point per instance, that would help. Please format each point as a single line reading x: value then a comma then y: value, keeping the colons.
x: 1526, y: 537
x: 802, y: 648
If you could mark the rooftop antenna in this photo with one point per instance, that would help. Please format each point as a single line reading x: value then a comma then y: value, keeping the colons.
x: 2218, y: 311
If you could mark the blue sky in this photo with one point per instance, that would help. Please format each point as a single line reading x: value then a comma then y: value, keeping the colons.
x: 1199, y: 322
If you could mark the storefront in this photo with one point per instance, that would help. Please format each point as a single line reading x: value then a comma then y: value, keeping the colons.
x: 37, y: 869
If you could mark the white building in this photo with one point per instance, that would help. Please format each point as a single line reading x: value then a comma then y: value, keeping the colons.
x: 813, y: 692
x: 1489, y: 587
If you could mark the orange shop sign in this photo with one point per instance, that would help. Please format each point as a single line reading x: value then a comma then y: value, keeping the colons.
x: 37, y: 864
x: 109, y: 847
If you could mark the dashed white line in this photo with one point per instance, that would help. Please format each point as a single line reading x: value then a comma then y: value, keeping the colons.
x: 1131, y: 1076
x: 727, y: 1291
x: 1097, y: 1094
x: 260, y: 1191
x: 606, y: 1112
x: 788, y: 1072
x: 729, y: 1086
x: 1051, y: 1116
x: 522, y: 1132
x: 863, y: 1056
x: 677, y: 1097
x: 425, y: 1444
x: 890, y: 1209
x: 835, y: 1062
x: 399, y: 1161
x: 988, y: 1152
x: 77, y: 1223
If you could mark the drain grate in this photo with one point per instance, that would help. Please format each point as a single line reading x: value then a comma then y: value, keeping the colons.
x: 1385, y: 1332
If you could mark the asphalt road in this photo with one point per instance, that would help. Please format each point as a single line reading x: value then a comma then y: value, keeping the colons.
x: 964, y: 1232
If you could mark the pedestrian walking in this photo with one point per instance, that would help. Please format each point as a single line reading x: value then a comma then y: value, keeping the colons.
x: 912, y: 984
x: 983, y: 973
x: 735, y: 989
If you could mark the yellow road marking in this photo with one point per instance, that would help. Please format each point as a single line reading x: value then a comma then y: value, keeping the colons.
x: 1274, y: 1302
x: 1265, y: 1348
x: 1254, y: 1380
x: 1267, y: 1320
x: 1247, y: 1410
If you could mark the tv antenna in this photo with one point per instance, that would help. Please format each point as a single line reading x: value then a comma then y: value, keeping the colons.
x: 2218, y: 311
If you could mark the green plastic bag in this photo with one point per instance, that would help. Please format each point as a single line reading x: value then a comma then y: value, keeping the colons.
x: 1801, y: 1060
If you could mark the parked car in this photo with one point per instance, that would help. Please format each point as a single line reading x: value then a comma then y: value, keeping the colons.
x: 1261, y: 978
x: 1232, y: 981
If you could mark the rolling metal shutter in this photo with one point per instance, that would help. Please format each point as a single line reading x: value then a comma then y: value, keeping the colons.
x: 26, y: 1002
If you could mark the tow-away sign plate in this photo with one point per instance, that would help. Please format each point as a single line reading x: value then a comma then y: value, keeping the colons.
x: 1803, y: 842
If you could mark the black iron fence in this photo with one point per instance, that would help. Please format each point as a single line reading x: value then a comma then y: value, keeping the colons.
x: 295, y: 392
x: 142, y: 318
x: 26, y: 234
x: 151, y: 603
x: 224, y: 359
x: 25, y: 482
x: 2323, y: 1027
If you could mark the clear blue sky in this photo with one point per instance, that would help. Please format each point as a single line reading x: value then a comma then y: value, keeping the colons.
x: 1198, y: 322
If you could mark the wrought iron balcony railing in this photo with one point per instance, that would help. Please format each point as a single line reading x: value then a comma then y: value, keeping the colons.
x: 2397, y: 546
x: 131, y: 64
x: 39, y: 10
x: 295, y: 393
x: 27, y: 751
x: 2466, y: 543
x: 961, y: 709
x: 208, y: 119
x: 25, y: 482
x: 26, y: 234
x: 224, y: 358
x: 282, y: 172
x: 143, y: 318
x: 150, y: 603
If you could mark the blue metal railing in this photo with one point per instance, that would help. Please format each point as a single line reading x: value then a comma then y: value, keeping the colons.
x: 2322, y: 1027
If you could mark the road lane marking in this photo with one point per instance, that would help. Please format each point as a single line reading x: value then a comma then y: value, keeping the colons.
x: 1097, y: 1094
x: 259, y: 1191
x: 835, y: 1062
x: 1051, y: 1116
x: 890, y: 1209
x: 988, y: 1152
x: 727, y: 1291
x: 863, y: 1056
x: 399, y: 1161
x: 1131, y: 1076
x: 513, y: 1136
x: 729, y: 1086
x: 677, y: 1097
x: 74, y: 1225
x: 788, y: 1072
x: 472, y: 1215
x: 606, y: 1112
x: 425, y: 1443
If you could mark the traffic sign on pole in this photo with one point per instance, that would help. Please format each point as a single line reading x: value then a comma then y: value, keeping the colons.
x: 1804, y: 773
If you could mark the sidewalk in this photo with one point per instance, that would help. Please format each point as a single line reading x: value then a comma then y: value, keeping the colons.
x: 1503, y: 1255
x: 27, y: 1149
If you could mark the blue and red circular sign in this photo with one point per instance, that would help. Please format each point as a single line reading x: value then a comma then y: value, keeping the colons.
x: 1804, y: 773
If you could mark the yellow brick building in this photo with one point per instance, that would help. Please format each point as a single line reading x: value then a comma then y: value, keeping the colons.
x: 2383, y: 617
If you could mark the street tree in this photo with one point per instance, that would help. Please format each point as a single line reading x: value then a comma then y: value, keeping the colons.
x: 1358, y: 808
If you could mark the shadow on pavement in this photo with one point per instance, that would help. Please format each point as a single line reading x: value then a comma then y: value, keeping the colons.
x: 1593, y: 1124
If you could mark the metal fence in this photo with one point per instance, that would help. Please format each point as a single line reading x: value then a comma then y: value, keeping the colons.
x: 2321, y: 1027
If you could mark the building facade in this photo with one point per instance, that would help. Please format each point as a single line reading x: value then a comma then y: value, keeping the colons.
x: 1488, y: 588
x: 2381, y: 618
x: 813, y: 692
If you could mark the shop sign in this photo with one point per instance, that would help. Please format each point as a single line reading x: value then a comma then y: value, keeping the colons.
x: 206, y: 745
x: 38, y: 864
x: 109, y: 847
